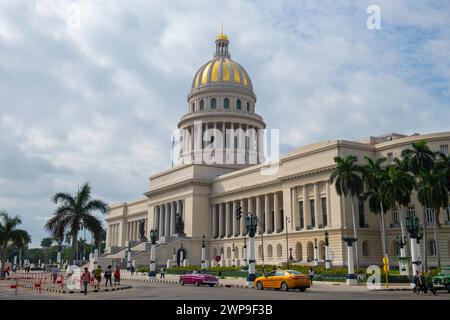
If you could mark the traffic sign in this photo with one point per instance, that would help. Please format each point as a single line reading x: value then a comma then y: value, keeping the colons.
x: 218, y: 258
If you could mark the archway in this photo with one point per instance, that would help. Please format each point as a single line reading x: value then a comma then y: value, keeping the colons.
x: 298, y: 252
x: 322, y: 250
x: 279, y: 251
x: 269, y: 251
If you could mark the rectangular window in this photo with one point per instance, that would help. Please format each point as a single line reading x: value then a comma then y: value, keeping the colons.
x: 324, y: 211
x: 430, y: 215
x: 282, y: 219
x: 394, y: 216
x: 444, y: 148
x: 302, y: 215
x: 313, y: 213
x: 411, y: 212
x: 390, y: 157
x: 362, y: 220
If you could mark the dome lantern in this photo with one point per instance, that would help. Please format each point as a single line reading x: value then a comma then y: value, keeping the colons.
x: 222, y: 46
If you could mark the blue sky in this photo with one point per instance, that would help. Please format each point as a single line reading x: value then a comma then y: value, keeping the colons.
x: 98, y: 102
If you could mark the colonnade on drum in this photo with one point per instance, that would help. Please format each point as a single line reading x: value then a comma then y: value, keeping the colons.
x: 268, y: 208
x: 164, y: 218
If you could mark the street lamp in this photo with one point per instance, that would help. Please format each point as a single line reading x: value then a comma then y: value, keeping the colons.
x: 174, y: 257
x: 244, y: 252
x: 251, y: 222
x: 128, y: 256
x: 153, y: 238
x: 287, y: 242
x: 316, y: 258
x: 233, y: 263
x: 416, y: 233
x: 327, y: 256
x: 203, y: 253
x: 291, y: 258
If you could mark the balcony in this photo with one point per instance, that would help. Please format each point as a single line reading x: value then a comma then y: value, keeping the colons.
x: 309, y: 227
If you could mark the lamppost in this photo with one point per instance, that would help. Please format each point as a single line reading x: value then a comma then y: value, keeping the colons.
x: 287, y: 242
x: 416, y: 233
x: 291, y: 258
x: 402, y: 260
x: 221, y: 257
x: 129, y: 257
x: 58, y: 255
x: 181, y: 255
x: 351, y: 277
x: 153, y: 238
x: 174, y: 257
x: 233, y: 263
x: 203, y: 253
x: 316, y: 258
x: 327, y: 256
x: 244, y: 252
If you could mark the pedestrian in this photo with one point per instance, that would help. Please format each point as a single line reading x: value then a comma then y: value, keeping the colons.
x: 86, y: 278
x: 311, y: 275
x: 6, y: 272
x: 132, y: 270
x: 54, y: 274
x: 98, y: 276
x: 108, y: 276
x: 162, y: 273
x: 117, y: 276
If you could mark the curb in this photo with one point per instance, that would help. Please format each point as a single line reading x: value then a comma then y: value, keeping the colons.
x: 73, y: 291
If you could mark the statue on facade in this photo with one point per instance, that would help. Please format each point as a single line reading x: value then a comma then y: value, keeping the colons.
x: 142, y: 230
x: 179, y: 226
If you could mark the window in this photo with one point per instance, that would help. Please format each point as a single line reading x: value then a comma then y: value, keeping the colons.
x: 430, y: 215
x: 213, y: 103
x: 365, y: 247
x: 390, y: 157
x: 279, y: 273
x: 202, y: 104
x: 444, y: 149
x: 238, y: 104
x: 193, y: 107
x: 411, y: 212
x: 324, y: 211
x: 394, y: 216
x: 248, y: 106
x: 279, y: 250
x: 302, y: 218
x: 362, y: 221
x: 432, y: 247
x: 313, y: 213
x: 226, y: 103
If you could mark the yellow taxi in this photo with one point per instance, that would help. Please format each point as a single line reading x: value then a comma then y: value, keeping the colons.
x: 283, y: 280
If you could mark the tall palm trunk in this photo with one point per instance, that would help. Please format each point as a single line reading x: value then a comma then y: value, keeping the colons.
x: 383, y: 230
x: 436, y: 236
x: 355, y: 234
x: 425, y: 258
x: 3, y: 260
x: 74, y: 245
x: 402, y: 229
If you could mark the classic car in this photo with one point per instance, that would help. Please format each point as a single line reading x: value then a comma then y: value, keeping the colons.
x: 442, y: 280
x: 198, y: 278
x: 284, y: 280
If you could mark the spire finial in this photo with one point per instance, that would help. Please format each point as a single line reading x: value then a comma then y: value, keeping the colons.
x: 222, y: 28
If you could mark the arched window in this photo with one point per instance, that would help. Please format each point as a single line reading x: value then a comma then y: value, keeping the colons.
x: 213, y: 103
x: 321, y: 250
x: 298, y: 252
x: 228, y: 253
x: 238, y: 104
x: 365, y: 247
x: 193, y: 107
x: 269, y: 251
x: 226, y: 103
x: 248, y: 106
x: 202, y: 104
x: 260, y: 251
x: 279, y: 250
x: 310, y: 251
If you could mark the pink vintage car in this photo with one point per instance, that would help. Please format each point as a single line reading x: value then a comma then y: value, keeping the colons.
x: 198, y: 279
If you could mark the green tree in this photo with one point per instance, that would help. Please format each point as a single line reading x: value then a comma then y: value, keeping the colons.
x: 348, y: 182
x: 10, y: 235
x: 373, y: 176
x: 73, y: 212
x: 46, y: 242
x: 419, y: 159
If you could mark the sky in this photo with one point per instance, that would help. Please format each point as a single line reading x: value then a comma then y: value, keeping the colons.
x: 91, y: 90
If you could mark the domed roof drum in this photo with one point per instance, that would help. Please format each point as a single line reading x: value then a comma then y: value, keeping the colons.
x: 222, y: 71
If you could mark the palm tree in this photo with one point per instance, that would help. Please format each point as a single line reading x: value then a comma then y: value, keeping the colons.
x: 373, y: 176
x: 10, y: 235
x: 346, y: 177
x: 74, y: 212
x: 420, y: 159
x: 397, y: 188
x: 434, y: 194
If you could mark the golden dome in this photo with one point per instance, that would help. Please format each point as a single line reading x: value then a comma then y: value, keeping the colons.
x: 222, y: 37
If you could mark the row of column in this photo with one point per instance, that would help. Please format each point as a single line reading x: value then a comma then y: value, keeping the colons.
x: 267, y: 207
x: 194, y: 138
x: 133, y: 233
x: 114, y: 235
x: 164, y: 218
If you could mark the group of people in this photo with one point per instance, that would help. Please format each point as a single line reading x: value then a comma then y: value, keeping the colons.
x: 96, y: 275
x: 421, y: 284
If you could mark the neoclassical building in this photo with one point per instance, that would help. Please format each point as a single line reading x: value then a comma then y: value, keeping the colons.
x: 222, y: 165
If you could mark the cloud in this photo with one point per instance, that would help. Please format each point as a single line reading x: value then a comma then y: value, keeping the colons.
x: 98, y: 101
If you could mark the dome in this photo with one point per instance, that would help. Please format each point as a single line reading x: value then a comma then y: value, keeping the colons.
x: 222, y: 70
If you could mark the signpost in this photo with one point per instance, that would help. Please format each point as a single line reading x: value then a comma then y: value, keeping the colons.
x: 217, y: 260
x: 386, y: 269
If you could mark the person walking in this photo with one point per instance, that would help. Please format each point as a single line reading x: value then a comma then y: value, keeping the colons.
x: 54, y: 274
x: 162, y: 274
x: 311, y: 275
x: 117, y: 276
x: 132, y: 270
x: 98, y: 276
x: 86, y: 278
x: 108, y: 276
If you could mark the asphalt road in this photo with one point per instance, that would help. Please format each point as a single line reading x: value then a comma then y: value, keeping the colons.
x: 163, y: 291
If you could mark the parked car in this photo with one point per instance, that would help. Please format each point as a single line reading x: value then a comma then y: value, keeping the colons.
x: 198, y: 279
x: 442, y: 280
x: 284, y: 280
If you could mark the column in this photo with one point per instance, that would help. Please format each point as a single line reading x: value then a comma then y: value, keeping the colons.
x: 266, y: 214
x: 259, y: 213
x: 235, y: 231
x: 306, y: 215
x: 167, y: 220
x: 172, y: 218
x: 228, y: 222
x: 221, y: 226
x: 276, y: 209
x: 295, y: 210
x: 318, y: 206
x: 224, y: 158
x: 327, y: 188
x: 161, y: 220
x: 214, y: 221
x: 243, y: 226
